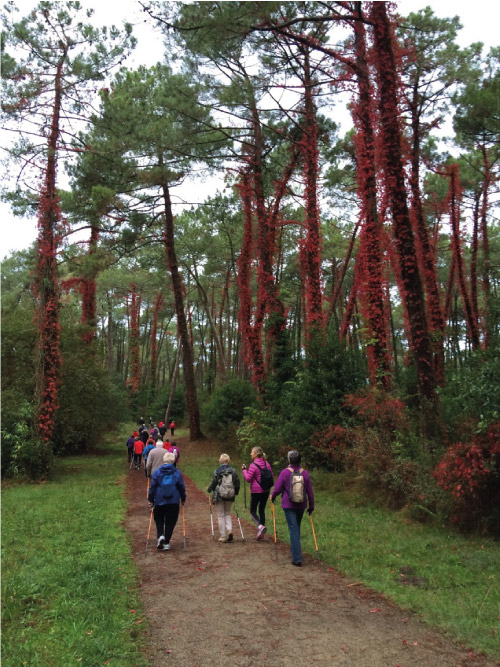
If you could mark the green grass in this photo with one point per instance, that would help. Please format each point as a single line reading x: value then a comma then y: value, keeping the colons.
x: 453, y: 582
x: 68, y: 579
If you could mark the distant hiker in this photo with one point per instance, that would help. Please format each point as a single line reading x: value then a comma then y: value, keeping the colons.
x: 155, y: 458
x: 225, y: 486
x: 166, y: 444
x: 172, y: 428
x: 144, y: 436
x: 151, y: 422
x: 174, y: 449
x: 167, y: 490
x: 138, y: 449
x: 295, y: 486
x: 141, y: 421
x: 150, y: 444
x: 130, y: 446
x: 163, y: 429
x: 154, y: 432
x: 260, y: 477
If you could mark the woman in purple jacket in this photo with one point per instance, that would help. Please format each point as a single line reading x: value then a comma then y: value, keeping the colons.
x: 259, y: 491
x: 294, y: 511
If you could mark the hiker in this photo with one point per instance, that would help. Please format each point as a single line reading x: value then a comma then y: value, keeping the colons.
x: 130, y: 446
x: 163, y: 429
x: 167, y: 490
x: 144, y: 436
x: 225, y: 486
x: 260, y: 477
x: 166, y: 443
x: 172, y: 447
x: 155, y: 458
x: 150, y: 444
x: 295, y: 486
x: 138, y: 449
x: 172, y: 428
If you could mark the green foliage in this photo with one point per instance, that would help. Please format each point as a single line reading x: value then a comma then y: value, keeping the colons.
x: 68, y: 580
x: 226, y: 407
x: 470, y: 397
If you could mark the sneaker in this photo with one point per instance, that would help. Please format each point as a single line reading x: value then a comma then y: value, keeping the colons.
x: 161, y: 540
x: 225, y: 538
x: 260, y: 532
x: 296, y: 564
x: 166, y: 547
x: 229, y: 537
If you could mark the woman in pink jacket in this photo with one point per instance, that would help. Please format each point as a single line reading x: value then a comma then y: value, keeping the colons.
x: 260, y: 477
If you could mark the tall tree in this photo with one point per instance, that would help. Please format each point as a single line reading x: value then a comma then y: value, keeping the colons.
x: 55, y: 58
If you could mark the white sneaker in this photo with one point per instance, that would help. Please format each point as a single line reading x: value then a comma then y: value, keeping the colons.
x: 161, y: 540
x: 166, y: 547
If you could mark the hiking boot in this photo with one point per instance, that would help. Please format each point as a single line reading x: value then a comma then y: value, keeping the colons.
x: 229, y: 537
x: 296, y: 564
x: 260, y: 532
x: 225, y: 538
x: 166, y: 547
x: 161, y: 540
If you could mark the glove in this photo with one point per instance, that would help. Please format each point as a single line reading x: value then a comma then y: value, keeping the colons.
x: 310, y: 511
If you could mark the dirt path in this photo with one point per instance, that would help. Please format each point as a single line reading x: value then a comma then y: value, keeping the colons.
x: 237, y: 605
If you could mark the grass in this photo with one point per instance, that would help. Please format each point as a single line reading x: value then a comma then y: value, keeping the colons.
x: 69, y: 583
x: 452, y: 582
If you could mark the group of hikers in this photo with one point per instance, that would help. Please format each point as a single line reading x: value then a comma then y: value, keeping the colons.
x: 167, y: 490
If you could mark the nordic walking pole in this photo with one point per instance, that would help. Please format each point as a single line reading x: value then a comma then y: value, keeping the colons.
x: 239, y: 522
x: 184, y: 526
x: 211, y: 516
x: 147, y: 488
x: 314, y: 534
x: 149, y: 531
x: 274, y: 529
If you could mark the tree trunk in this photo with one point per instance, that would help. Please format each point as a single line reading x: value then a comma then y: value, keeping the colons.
x: 182, y: 326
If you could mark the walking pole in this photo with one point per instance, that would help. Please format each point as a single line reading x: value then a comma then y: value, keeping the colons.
x: 149, y: 531
x: 147, y: 488
x: 184, y: 526
x: 211, y: 516
x: 314, y: 535
x: 274, y: 529
x: 239, y: 522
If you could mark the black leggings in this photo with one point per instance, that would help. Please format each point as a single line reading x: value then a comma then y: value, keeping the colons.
x: 258, y: 507
x: 165, y: 517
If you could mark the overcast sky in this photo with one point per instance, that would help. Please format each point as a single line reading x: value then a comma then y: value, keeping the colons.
x: 480, y: 20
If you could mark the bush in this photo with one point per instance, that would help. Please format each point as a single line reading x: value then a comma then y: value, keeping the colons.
x: 470, y: 473
x: 226, y: 407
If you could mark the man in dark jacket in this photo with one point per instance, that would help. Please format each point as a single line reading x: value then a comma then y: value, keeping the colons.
x: 167, y: 490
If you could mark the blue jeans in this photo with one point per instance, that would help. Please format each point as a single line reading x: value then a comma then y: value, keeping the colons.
x: 293, y: 519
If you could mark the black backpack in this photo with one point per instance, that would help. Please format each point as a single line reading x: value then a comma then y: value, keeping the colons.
x: 266, y: 477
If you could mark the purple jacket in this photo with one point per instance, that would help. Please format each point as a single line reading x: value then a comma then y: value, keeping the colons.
x: 283, y: 486
x: 252, y: 474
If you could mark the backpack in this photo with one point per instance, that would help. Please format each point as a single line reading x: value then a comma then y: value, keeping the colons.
x: 266, y: 477
x: 225, y: 489
x: 297, y: 489
x: 168, y: 486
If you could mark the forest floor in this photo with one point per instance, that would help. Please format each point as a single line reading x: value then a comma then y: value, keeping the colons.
x: 243, y: 603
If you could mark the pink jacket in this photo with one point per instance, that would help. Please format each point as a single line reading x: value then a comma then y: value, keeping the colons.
x: 252, y: 474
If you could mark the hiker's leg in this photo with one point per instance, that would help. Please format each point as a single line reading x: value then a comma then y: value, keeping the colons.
x: 292, y: 519
x: 221, y: 522
x: 262, y: 507
x: 171, y: 516
x: 227, y: 516
x: 254, y: 501
x: 159, y: 517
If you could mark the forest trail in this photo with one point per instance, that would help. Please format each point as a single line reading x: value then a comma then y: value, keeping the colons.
x: 244, y: 604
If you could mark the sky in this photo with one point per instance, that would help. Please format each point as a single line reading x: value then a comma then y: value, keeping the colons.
x: 480, y: 20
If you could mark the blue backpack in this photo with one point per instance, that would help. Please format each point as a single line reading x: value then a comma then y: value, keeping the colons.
x: 168, y: 485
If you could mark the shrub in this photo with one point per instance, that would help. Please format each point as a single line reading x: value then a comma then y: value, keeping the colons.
x: 226, y: 407
x: 470, y: 473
